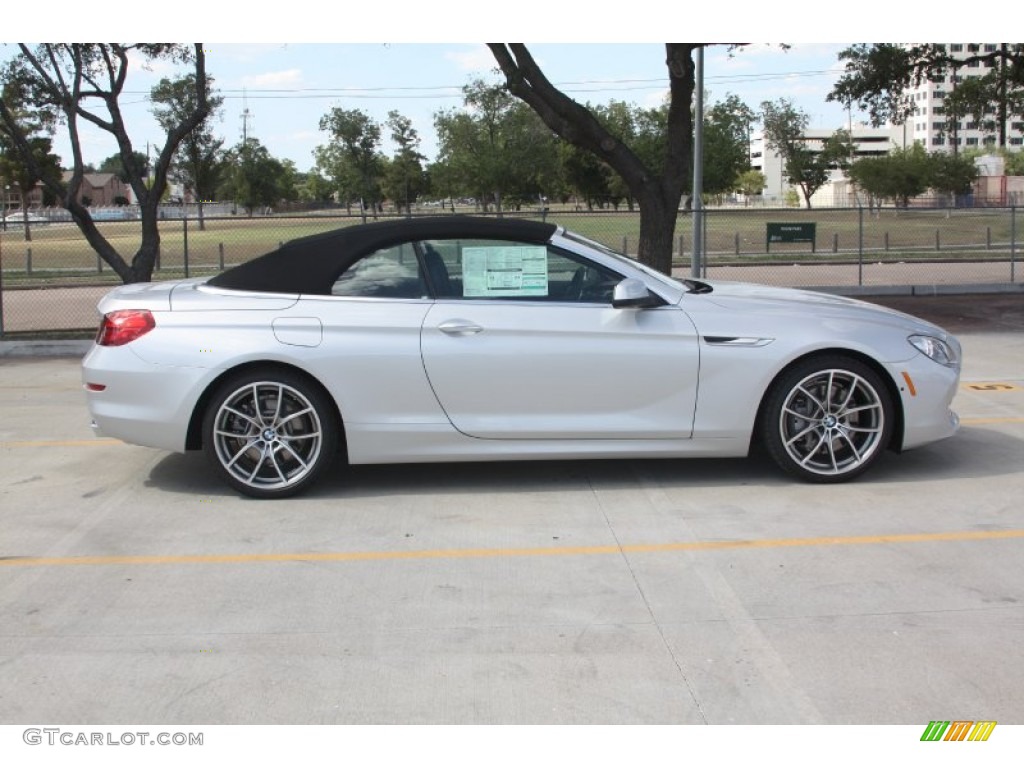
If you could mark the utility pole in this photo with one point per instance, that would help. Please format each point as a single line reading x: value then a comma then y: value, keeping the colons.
x: 246, y: 117
x: 698, y: 165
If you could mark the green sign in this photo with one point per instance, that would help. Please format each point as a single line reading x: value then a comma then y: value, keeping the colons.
x: 790, y: 233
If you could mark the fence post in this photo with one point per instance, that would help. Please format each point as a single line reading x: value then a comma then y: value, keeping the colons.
x: 220, y: 252
x: 1, y: 286
x: 937, y: 245
x: 835, y: 242
x: 988, y: 238
x: 860, y: 245
x: 184, y: 222
x: 625, y: 245
x: 704, y: 242
x: 28, y: 260
x: 1013, y: 243
x: 99, y: 265
x: 887, y: 241
x: 737, y: 243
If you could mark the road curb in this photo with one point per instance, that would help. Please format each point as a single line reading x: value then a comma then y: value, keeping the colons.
x: 44, y: 348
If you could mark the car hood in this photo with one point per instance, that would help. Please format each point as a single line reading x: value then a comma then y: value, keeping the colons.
x: 750, y: 298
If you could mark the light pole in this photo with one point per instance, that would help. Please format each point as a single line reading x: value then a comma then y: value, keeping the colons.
x: 698, y: 166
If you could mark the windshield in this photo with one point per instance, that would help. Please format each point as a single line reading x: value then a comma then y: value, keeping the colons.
x: 653, y: 273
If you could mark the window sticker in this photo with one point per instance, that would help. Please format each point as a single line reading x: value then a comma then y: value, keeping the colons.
x: 514, y: 270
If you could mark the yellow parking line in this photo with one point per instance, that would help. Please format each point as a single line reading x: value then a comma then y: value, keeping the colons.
x: 60, y: 443
x: 995, y: 420
x: 441, y: 554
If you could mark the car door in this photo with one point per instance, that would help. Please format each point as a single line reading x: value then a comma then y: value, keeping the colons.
x: 527, y: 346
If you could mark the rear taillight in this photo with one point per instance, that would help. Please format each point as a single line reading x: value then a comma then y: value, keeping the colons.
x: 123, y: 326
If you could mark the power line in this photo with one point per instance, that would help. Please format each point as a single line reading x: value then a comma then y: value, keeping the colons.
x: 455, y: 91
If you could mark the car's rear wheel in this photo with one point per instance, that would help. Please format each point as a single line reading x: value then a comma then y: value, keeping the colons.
x: 827, y: 419
x: 270, y: 433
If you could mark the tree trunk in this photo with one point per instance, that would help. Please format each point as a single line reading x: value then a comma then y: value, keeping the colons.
x: 657, y: 231
x: 657, y: 193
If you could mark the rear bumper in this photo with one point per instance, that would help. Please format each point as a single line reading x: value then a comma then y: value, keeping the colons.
x: 140, y: 403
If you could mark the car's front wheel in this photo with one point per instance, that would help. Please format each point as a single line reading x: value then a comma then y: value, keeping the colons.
x: 827, y: 419
x: 270, y: 433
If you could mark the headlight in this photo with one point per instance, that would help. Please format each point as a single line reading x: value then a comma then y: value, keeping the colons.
x: 937, y: 349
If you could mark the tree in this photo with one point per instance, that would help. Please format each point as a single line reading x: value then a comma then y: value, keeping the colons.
x: 726, y: 144
x: 877, y: 76
x: 44, y: 165
x: 199, y: 160
x: 62, y: 82
x: 898, y: 176
x: 314, y: 188
x: 785, y: 128
x: 585, y: 174
x: 115, y: 165
x: 352, y: 157
x: 750, y: 183
x: 658, y: 191
x: 254, y: 178
x: 952, y: 175
x: 495, y: 149
x: 13, y: 169
x: 404, y: 179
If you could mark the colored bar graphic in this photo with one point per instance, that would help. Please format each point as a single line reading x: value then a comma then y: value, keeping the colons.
x: 958, y: 730
x: 982, y: 730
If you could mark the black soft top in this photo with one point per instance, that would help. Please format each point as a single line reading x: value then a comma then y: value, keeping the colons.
x: 311, y: 264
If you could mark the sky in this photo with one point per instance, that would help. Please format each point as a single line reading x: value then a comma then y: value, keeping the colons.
x: 286, y: 87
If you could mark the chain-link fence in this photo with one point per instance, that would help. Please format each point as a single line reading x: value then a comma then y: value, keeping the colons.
x: 52, y: 279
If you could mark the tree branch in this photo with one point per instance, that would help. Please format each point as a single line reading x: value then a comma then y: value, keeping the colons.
x: 567, y: 118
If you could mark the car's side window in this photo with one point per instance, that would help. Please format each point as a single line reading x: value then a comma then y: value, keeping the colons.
x: 390, y: 273
x: 499, y: 269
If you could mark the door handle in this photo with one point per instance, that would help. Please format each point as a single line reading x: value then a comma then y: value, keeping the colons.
x: 459, y: 328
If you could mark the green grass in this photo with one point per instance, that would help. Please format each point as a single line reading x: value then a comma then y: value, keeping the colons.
x: 59, y: 253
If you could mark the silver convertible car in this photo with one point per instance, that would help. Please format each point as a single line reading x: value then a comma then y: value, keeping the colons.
x: 473, y: 339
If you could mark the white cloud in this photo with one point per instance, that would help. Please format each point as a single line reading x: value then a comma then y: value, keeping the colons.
x: 655, y: 99
x: 244, y: 52
x: 288, y: 78
x: 155, y: 67
x: 474, y: 59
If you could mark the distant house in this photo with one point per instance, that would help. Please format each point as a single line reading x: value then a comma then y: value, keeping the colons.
x: 100, y: 189
x: 12, y: 197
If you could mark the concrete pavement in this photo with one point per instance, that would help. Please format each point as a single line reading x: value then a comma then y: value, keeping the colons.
x: 134, y: 587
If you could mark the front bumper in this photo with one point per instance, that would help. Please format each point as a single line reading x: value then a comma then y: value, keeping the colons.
x: 927, y: 390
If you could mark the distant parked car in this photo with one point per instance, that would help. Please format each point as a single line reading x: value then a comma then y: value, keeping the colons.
x: 468, y: 339
x: 17, y: 219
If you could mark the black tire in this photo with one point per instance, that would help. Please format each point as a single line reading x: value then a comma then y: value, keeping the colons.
x: 270, y: 433
x: 827, y: 419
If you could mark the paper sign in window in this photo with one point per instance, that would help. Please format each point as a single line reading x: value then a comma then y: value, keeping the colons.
x: 518, y: 270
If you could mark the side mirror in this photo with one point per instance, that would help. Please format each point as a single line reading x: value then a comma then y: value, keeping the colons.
x: 633, y: 293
